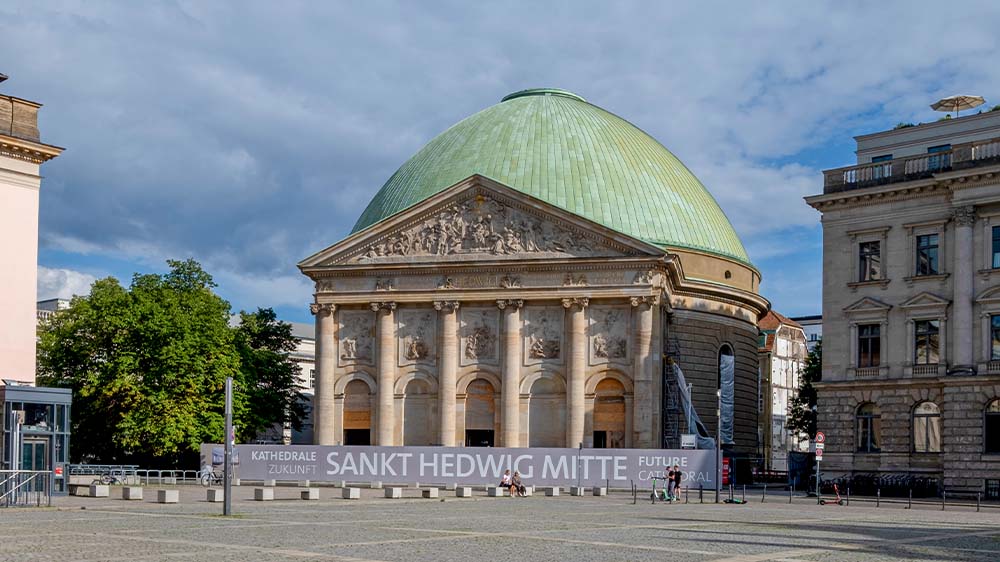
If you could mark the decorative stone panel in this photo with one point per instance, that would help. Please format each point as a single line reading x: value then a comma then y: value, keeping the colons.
x: 417, y: 336
x: 609, y: 334
x: 480, y: 341
x: 543, y: 335
x: 357, y: 338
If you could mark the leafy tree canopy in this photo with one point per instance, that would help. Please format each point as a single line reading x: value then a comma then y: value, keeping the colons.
x: 802, y: 411
x: 148, y: 363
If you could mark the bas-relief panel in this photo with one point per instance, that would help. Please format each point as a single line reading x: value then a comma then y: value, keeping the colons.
x: 357, y: 337
x: 417, y: 336
x: 480, y: 341
x: 609, y: 334
x: 480, y: 226
x: 543, y: 329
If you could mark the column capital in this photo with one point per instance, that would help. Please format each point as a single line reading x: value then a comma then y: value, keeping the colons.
x: 322, y: 309
x: 377, y: 306
x: 447, y: 305
x: 964, y: 216
x: 651, y: 300
x: 582, y: 302
x: 513, y: 303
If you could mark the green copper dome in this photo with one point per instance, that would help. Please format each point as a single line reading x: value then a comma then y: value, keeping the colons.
x: 555, y: 146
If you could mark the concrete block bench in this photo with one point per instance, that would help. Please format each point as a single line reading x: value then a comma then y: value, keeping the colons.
x: 529, y: 490
x: 429, y: 492
x: 463, y: 492
x: 450, y: 487
x: 377, y: 485
x: 600, y: 491
x: 394, y: 493
x: 351, y: 493
x: 270, y: 483
x: 215, y: 495
x: 99, y: 491
x: 168, y: 496
x: 263, y: 494
x: 495, y: 491
x: 131, y: 493
x: 309, y: 494
x: 552, y: 491
x: 577, y: 490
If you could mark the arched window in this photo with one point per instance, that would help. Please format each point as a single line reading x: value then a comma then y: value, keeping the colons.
x: 991, y: 427
x: 869, y: 426
x: 926, y: 428
x: 727, y: 393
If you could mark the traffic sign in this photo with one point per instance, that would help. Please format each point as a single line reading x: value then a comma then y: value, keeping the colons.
x: 820, y: 445
x: 820, y: 437
x: 819, y: 454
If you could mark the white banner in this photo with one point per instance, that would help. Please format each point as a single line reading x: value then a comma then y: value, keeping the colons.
x: 467, y: 465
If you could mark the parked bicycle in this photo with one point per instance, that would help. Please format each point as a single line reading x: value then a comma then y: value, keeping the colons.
x: 211, y: 478
x: 109, y: 478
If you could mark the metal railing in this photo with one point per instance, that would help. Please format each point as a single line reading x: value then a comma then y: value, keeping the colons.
x: 959, y: 157
x: 132, y: 474
x: 25, y: 488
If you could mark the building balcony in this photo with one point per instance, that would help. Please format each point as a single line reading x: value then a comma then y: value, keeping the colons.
x: 960, y: 157
x: 868, y: 373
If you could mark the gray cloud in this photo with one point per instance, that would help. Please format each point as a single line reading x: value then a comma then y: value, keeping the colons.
x: 251, y: 134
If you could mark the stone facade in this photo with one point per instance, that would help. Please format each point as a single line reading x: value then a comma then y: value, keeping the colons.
x: 910, y: 331
x: 483, y: 316
x: 782, y: 358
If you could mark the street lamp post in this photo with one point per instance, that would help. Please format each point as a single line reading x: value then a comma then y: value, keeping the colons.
x: 718, y: 443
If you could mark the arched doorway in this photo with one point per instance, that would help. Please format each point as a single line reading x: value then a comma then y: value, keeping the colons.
x: 480, y: 414
x: 609, y: 415
x: 419, y: 413
x: 547, y: 413
x: 357, y: 413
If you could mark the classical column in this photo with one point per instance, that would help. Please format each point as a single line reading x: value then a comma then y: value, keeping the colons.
x: 510, y: 385
x: 448, y: 370
x: 965, y: 218
x: 642, y: 382
x: 385, y: 326
x: 575, y: 383
x: 324, y: 419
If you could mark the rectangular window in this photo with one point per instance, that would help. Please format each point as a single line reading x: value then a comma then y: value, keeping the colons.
x: 992, y: 489
x: 996, y: 247
x: 869, y: 345
x: 926, y: 337
x: 995, y: 337
x: 940, y: 157
x: 870, y: 261
x: 882, y: 158
x: 927, y: 254
x: 312, y: 378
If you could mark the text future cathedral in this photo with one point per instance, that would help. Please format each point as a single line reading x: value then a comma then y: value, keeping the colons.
x: 528, y: 279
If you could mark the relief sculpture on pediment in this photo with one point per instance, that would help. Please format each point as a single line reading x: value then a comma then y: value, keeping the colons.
x: 478, y: 226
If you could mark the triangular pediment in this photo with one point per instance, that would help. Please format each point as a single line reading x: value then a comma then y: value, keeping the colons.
x: 925, y: 300
x: 989, y: 296
x: 479, y: 219
x: 868, y: 304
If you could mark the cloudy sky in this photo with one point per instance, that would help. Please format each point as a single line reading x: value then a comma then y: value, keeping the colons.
x: 250, y: 134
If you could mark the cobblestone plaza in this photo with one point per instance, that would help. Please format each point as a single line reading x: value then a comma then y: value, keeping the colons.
x: 495, y: 529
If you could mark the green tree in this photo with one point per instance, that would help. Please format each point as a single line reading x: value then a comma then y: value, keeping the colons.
x: 148, y: 363
x: 802, y: 411
x: 267, y: 374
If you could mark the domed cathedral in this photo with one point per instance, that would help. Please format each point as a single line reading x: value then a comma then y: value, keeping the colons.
x: 541, y: 274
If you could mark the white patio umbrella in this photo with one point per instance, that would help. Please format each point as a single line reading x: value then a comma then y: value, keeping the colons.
x: 957, y: 103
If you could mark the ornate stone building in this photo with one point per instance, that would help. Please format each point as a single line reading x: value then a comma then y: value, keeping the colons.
x: 522, y: 281
x: 911, y: 305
